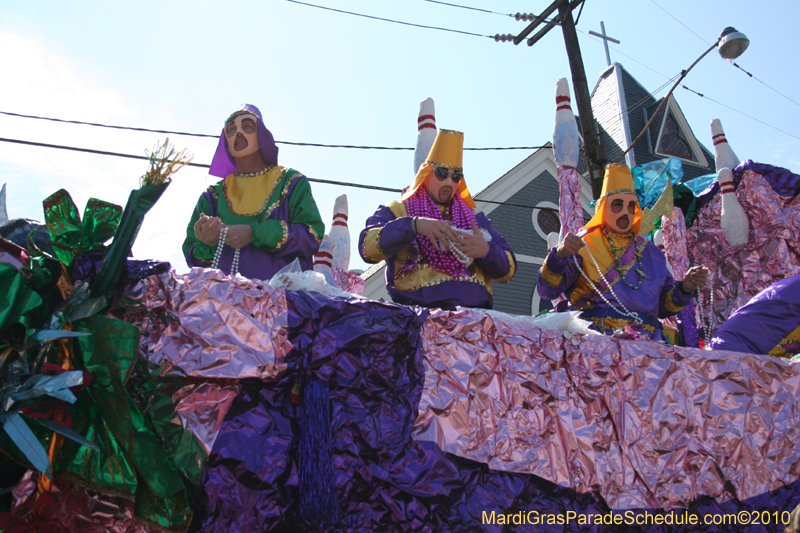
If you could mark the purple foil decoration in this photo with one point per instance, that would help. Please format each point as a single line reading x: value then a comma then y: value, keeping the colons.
x: 211, y: 325
x: 638, y: 424
x: 570, y: 211
x: 783, y: 181
x: 772, y: 252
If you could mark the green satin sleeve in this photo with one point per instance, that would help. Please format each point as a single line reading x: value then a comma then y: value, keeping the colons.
x: 202, y: 252
x: 272, y: 234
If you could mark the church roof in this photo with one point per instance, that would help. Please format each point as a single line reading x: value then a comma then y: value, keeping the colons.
x: 622, y: 107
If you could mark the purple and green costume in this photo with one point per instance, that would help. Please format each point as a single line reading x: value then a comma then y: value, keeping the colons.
x: 286, y: 227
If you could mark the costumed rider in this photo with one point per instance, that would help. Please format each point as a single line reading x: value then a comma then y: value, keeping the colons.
x: 261, y: 216
x: 438, y: 252
x: 618, y: 279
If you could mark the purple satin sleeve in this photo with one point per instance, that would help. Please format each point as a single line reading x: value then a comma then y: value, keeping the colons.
x: 763, y: 322
x: 496, y: 263
x: 396, y: 234
x: 679, y: 298
x: 565, y: 267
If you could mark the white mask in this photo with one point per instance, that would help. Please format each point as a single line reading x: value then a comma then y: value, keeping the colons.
x: 241, y: 134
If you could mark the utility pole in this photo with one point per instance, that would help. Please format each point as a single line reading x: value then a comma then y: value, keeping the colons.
x: 595, y: 152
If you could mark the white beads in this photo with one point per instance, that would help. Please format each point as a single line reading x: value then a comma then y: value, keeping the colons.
x: 625, y: 311
x: 706, y: 322
x: 223, y: 236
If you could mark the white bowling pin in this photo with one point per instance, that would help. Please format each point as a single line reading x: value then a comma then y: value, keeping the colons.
x: 3, y: 212
x: 732, y: 218
x: 323, y: 260
x: 723, y: 154
x: 340, y: 234
x: 566, y: 140
x: 426, y: 132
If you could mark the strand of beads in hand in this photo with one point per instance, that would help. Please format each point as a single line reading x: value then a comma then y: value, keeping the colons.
x: 223, y: 236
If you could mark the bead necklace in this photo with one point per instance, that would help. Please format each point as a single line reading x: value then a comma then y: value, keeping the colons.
x: 637, y: 260
x: 448, y: 261
x: 257, y: 173
x: 223, y: 235
x: 706, y: 322
x: 625, y: 311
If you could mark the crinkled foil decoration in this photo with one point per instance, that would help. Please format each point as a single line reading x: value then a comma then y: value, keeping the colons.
x: 570, y: 211
x: 675, y: 243
x: 211, y: 325
x: 348, y: 281
x: 677, y: 253
x: 772, y: 252
x: 202, y: 408
x: 639, y: 424
x: 69, y: 508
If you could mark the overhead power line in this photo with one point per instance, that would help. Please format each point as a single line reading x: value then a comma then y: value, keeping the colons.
x: 470, y: 8
x: 206, y: 135
x: 203, y: 165
x: 616, y: 50
x: 732, y: 63
x: 387, y: 20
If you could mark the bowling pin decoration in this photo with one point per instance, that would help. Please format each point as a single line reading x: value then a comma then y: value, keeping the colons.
x: 732, y: 218
x: 340, y: 234
x: 323, y: 260
x: 566, y: 140
x: 723, y: 154
x: 426, y: 132
x: 3, y: 212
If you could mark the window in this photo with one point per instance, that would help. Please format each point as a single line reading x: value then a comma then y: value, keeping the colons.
x: 548, y: 222
x: 673, y: 142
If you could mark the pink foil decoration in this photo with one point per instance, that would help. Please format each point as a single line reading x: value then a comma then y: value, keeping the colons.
x: 202, y: 408
x: 570, y: 211
x: 640, y: 424
x: 348, y: 281
x: 772, y: 252
x: 69, y: 508
x: 211, y: 325
x: 675, y: 243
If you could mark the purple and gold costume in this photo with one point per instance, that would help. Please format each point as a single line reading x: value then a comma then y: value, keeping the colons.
x: 768, y: 324
x: 409, y: 277
x: 658, y: 296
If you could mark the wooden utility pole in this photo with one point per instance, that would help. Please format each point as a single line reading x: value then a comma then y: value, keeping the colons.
x: 595, y: 152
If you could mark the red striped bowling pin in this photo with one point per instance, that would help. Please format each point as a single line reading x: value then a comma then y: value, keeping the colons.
x: 723, y: 153
x: 566, y: 140
x: 340, y: 234
x: 732, y: 218
x: 323, y: 259
x: 426, y: 132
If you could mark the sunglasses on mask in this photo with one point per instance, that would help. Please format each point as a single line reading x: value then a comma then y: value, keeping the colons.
x: 442, y: 174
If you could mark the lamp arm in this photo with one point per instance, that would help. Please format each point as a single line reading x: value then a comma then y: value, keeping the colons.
x: 664, y: 101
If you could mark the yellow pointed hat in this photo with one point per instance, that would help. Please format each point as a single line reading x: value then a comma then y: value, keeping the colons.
x: 617, y: 180
x: 447, y: 151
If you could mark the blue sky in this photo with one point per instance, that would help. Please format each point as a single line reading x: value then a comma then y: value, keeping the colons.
x: 324, y: 77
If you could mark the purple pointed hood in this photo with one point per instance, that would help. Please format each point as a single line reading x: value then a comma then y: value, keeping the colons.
x: 222, y: 164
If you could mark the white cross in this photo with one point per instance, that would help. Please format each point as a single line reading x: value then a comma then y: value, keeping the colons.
x: 605, y: 38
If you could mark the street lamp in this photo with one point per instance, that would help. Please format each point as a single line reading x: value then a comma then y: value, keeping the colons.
x: 730, y: 43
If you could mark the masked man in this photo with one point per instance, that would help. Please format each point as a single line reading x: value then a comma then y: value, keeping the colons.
x: 264, y: 212
x: 615, y: 277
x: 438, y: 252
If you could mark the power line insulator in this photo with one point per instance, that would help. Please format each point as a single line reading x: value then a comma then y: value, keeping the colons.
x: 503, y: 37
x: 524, y: 16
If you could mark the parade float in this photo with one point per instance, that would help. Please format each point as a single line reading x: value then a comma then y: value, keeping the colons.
x: 139, y: 399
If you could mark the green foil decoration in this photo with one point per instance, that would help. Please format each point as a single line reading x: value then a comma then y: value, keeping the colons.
x: 69, y: 236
